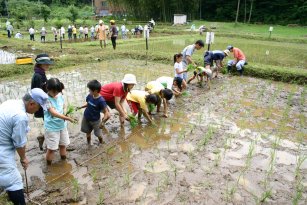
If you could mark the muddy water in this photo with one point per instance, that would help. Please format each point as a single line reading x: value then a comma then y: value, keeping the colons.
x: 6, y: 57
x: 234, y: 144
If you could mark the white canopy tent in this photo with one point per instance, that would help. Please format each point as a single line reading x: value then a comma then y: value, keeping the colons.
x: 180, y: 18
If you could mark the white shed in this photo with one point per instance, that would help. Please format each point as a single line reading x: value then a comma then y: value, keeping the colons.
x: 180, y: 18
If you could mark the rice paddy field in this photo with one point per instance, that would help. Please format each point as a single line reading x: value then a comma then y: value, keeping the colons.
x: 244, y: 141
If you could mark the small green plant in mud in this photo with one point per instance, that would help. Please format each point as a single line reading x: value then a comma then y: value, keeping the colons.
x: 133, y: 121
x: 265, y: 195
x: 217, y: 158
x: 299, y: 187
x: 100, y: 198
x: 206, y: 138
x: 94, y: 175
x: 150, y: 165
x: 174, y: 170
x: 70, y: 109
x: 229, y: 192
x: 127, y: 179
x: 75, y: 188
x: 250, y: 153
x: 185, y: 93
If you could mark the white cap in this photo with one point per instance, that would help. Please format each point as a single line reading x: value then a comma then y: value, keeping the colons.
x: 129, y: 79
x: 100, y: 21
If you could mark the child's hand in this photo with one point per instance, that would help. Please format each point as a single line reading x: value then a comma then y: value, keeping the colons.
x: 73, y: 120
x: 78, y: 108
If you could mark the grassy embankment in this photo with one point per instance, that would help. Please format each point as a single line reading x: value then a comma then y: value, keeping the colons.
x: 282, y: 58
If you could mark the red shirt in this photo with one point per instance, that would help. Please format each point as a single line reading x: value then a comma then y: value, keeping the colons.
x: 238, y: 54
x: 112, y: 90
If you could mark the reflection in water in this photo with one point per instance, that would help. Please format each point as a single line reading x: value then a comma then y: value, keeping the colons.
x: 6, y: 57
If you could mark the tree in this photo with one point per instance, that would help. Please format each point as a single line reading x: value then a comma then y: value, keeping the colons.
x: 238, y: 8
x: 74, y: 14
x: 250, y: 11
x: 45, y: 12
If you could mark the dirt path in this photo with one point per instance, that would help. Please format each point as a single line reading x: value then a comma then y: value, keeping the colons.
x: 242, y: 142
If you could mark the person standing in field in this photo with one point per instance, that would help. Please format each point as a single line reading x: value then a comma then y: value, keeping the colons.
x: 63, y: 32
x: 101, y: 33
x: 114, y: 33
x: 115, y: 95
x: 85, y: 32
x: 179, y: 71
x: 39, y: 80
x: 31, y: 32
x: 95, y: 104
x: 69, y: 31
x: 55, y: 33
x: 74, y: 32
x: 56, y: 133
x: 123, y: 31
x: 43, y: 35
x: 216, y: 57
x: 92, y: 32
x: 187, y: 55
x: 14, y: 126
x: 238, y: 61
x: 81, y: 32
x: 9, y: 29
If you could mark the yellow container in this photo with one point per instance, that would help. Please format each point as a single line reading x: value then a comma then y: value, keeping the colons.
x: 23, y: 60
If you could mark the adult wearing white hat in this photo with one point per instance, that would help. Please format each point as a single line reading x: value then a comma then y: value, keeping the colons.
x: 63, y: 32
x: 102, y: 33
x: 13, y: 136
x: 115, y: 95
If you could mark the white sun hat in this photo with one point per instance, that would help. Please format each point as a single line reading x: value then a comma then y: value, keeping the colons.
x: 100, y: 21
x: 129, y: 79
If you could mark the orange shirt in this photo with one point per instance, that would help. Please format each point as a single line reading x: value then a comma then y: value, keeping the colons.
x: 238, y: 54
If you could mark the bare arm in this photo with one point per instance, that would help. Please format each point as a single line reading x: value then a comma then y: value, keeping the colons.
x: 106, y: 115
x: 165, y: 107
x: 146, y: 115
x: 83, y: 106
x: 119, y: 106
x: 189, y: 60
x: 54, y: 113
x: 23, y: 159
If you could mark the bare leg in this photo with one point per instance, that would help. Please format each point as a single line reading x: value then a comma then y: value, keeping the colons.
x: 88, y: 138
x: 63, y: 152
x: 49, y: 156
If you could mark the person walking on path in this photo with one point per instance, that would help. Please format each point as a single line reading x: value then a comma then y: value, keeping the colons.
x: 115, y: 94
x: 31, y: 32
x: 216, y: 57
x: 238, y: 61
x: 14, y: 126
x: 101, y: 33
x: 39, y: 80
x: 43, y: 35
x: 114, y: 33
x: 187, y: 55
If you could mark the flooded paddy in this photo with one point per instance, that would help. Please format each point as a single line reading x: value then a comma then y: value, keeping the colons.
x: 242, y: 142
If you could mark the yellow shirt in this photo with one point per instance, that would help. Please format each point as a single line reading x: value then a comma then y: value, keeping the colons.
x: 138, y: 96
x: 74, y: 30
x: 154, y: 87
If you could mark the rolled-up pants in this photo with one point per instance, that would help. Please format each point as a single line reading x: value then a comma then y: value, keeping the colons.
x: 239, y: 64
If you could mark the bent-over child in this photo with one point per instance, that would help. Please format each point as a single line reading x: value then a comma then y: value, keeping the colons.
x: 200, y: 73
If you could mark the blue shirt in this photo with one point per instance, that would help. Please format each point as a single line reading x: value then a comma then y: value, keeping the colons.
x: 94, y: 107
x: 51, y: 123
x: 187, y: 51
x: 13, y: 130
x: 218, y: 55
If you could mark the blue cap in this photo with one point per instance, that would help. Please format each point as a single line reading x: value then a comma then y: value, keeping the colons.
x: 39, y: 96
x: 229, y: 47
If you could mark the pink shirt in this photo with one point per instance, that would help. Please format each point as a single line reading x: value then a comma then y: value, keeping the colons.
x: 238, y: 54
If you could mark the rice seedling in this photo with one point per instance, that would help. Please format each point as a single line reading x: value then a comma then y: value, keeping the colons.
x: 217, y: 158
x: 174, y: 169
x: 100, y: 198
x: 267, y: 194
x: 127, y: 179
x: 251, y: 149
x: 185, y: 93
x: 133, y: 121
x: 191, y: 67
x: 75, y: 188
x: 151, y: 107
x: 206, y: 138
x: 94, y: 175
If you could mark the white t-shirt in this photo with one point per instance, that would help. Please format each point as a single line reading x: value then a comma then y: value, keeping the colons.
x: 31, y: 31
x: 123, y: 28
x: 92, y: 29
x: 179, y: 67
x: 85, y: 30
x: 166, y: 81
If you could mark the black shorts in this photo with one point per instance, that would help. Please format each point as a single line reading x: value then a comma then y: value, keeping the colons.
x: 111, y: 104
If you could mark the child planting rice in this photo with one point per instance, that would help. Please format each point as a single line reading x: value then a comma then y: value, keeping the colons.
x: 200, y: 73
x: 138, y: 102
x: 174, y: 84
x: 95, y: 104
x: 55, y: 126
x: 163, y: 94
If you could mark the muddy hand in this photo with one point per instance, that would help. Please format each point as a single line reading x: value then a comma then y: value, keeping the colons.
x: 24, y: 163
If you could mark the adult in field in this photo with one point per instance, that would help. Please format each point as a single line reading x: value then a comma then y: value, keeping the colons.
x: 43, y: 35
x: 102, y: 33
x: 114, y: 33
x: 69, y: 31
x: 187, y: 55
x: 31, y: 32
x: 115, y: 95
x: 216, y: 57
x: 9, y: 29
x: 238, y: 61
x: 13, y: 137
x: 39, y: 80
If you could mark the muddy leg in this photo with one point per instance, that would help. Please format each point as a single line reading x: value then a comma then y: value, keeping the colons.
x: 41, y: 140
x: 49, y: 156
x: 63, y: 152
x: 88, y: 138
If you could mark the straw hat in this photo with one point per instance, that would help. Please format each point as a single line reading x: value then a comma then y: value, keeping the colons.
x: 227, y: 52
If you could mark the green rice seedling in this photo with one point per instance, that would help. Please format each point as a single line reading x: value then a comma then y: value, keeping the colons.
x: 250, y: 154
x: 94, y: 175
x: 133, y: 121
x: 217, y: 158
x: 75, y: 188
x: 299, y: 189
x: 127, y: 179
x: 151, y: 107
x: 185, y: 93
x: 267, y: 194
x: 100, y: 198
x: 174, y: 169
x: 206, y: 138
x: 191, y: 67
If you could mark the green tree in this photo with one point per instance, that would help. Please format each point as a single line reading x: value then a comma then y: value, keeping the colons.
x: 73, y: 13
